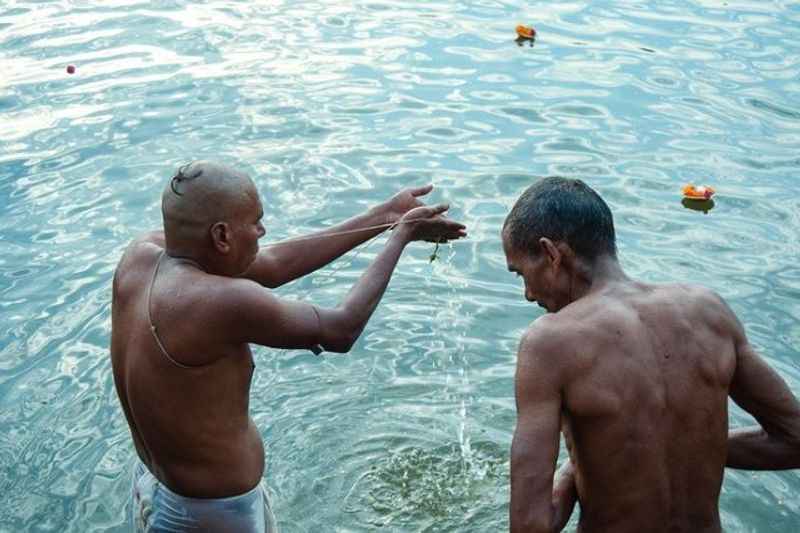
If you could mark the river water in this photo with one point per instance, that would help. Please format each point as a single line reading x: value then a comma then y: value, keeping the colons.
x: 333, y: 106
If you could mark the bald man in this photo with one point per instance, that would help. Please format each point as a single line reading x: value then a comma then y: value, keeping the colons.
x: 187, y: 303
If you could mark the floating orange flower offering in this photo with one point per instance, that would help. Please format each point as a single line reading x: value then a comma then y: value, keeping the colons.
x: 698, y: 193
x: 526, y: 32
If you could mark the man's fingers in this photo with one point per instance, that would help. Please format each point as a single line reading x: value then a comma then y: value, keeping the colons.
x: 439, y: 209
x: 422, y: 191
x: 426, y: 212
x: 452, y: 225
x: 447, y: 236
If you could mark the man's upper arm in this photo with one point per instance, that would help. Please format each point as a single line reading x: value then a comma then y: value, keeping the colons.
x: 255, y: 315
x: 755, y: 386
x: 534, y: 451
x: 759, y: 390
x: 265, y: 270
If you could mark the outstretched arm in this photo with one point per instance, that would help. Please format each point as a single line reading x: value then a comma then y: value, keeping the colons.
x: 257, y: 316
x: 759, y: 390
x: 536, y: 505
x: 288, y: 260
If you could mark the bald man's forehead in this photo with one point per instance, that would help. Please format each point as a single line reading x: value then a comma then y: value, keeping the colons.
x: 254, y: 198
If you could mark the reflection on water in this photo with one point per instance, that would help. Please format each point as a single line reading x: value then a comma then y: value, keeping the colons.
x: 521, y: 41
x: 704, y: 206
x: 332, y: 107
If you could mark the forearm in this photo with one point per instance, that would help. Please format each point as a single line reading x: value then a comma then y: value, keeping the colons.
x: 565, y: 495
x: 530, y: 509
x: 753, y: 448
x: 554, y: 519
x: 288, y: 260
x: 350, y: 318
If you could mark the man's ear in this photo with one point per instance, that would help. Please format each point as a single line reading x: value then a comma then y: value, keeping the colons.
x: 551, y: 251
x: 221, y: 237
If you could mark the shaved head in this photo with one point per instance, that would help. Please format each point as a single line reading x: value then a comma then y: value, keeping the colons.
x: 200, y: 195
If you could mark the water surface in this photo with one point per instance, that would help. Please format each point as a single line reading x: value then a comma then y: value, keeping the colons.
x: 333, y: 106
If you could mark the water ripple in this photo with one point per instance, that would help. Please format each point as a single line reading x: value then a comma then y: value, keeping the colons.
x: 333, y: 107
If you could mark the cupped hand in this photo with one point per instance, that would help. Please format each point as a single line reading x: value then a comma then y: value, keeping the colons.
x: 404, y: 201
x: 428, y: 223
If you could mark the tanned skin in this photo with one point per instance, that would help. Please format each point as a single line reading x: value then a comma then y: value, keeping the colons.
x: 210, y: 301
x: 638, y: 378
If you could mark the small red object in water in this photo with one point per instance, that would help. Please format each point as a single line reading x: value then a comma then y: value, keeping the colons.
x: 526, y: 32
x: 70, y: 69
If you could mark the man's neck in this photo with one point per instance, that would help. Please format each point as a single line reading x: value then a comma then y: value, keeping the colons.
x: 187, y: 256
x: 605, y: 271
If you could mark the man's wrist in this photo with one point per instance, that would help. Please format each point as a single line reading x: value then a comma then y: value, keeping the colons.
x: 380, y: 214
x: 402, y: 233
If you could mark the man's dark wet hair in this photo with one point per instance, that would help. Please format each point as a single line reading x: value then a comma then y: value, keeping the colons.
x: 565, y: 210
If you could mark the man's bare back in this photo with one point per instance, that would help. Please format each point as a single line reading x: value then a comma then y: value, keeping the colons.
x: 191, y: 426
x: 645, y: 404
x: 636, y: 376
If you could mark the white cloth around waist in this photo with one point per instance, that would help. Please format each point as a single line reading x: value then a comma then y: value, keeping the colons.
x: 156, y: 509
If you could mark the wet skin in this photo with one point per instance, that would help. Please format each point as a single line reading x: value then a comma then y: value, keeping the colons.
x: 638, y: 378
x: 191, y: 426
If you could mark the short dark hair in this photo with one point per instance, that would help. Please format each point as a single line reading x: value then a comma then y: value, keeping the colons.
x: 565, y: 210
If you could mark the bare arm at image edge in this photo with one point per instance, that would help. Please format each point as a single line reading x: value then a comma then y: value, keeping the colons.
x: 775, y: 443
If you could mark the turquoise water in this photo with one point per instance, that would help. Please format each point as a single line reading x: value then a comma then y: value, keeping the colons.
x: 333, y: 106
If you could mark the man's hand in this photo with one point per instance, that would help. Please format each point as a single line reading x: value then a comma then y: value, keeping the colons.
x: 427, y: 223
x: 404, y: 201
x: 565, y: 495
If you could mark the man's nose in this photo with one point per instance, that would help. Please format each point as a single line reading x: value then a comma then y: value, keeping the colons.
x: 529, y: 294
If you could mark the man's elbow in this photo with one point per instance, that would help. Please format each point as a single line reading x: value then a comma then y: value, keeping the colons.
x: 341, y: 330
x: 339, y: 344
x: 793, y: 442
x: 341, y: 335
x: 787, y: 445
